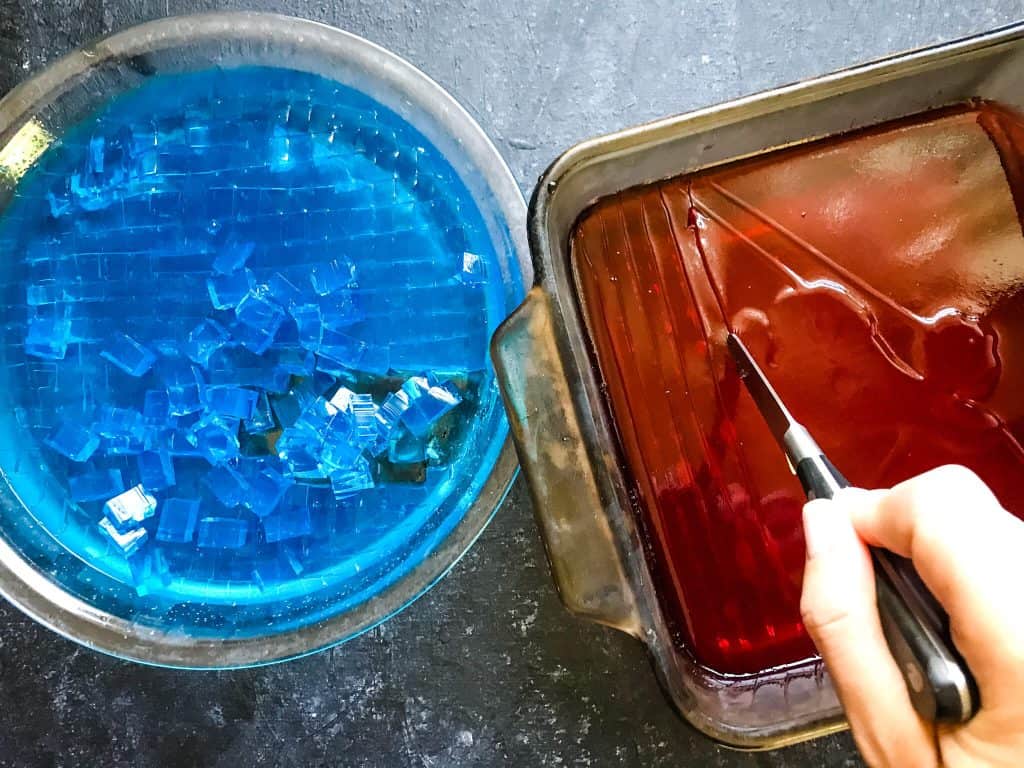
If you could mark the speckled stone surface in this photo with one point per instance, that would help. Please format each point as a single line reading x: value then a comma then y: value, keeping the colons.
x: 486, y: 670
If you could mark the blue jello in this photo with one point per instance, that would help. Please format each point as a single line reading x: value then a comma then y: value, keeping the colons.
x: 128, y: 355
x: 73, y: 441
x: 245, y: 349
x: 226, y: 290
x: 156, y: 470
x: 222, y: 533
x: 178, y: 519
x: 95, y: 485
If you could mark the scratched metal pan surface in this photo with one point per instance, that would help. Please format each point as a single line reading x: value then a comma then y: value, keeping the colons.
x: 561, y: 426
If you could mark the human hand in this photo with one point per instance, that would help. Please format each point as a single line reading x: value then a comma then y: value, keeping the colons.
x: 970, y: 553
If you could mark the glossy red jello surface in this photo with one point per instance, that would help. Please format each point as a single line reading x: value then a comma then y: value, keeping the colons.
x: 879, y: 281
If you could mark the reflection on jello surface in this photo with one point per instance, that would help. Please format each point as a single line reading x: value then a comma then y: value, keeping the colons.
x: 879, y: 278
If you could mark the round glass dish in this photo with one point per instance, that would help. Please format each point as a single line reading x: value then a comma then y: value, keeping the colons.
x: 229, y: 239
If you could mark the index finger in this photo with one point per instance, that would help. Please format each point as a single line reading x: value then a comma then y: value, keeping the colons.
x: 969, y: 551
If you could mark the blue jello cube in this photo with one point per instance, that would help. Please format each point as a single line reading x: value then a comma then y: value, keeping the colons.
x: 85, y: 290
x: 74, y: 441
x: 178, y: 518
x: 391, y: 410
x: 300, y: 454
x: 406, y: 448
x: 256, y: 340
x: 48, y: 338
x: 234, y: 402
x: 240, y: 367
x: 227, y: 484
x: 289, y: 406
x: 148, y: 163
x: 281, y: 156
x: 130, y: 508
x: 332, y: 276
x: 288, y: 334
x: 197, y: 132
x: 272, y: 379
x: 426, y: 409
x: 318, y: 499
x: 316, y: 419
x: 222, y: 533
x: 123, y: 445
x: 351, y: 480
x: 339, y: 310
x: 226, y: 291
x: 364, y: 413
x: 97, y: 146
x: 255, y: 444
x: 205, y: 339
x: 293, y: 359
x: 156, y: 470
x: 262, y: 418
x: 473, y: 270
x: 232, y: 257
x: 323, y: 383
x: 42, y: 294
x: 284, y: 291
x: 310, y: 324
x: 341, y: 400
x: 156, y: 408
x: 377, y: 359
x: 120, y: 422
x: 179, y: 442
x: 388, y: 417
x: 337, y: 451
x: 266, y: 491
x: 341, y: 348
x: 289, y: 523
x: 258, y: 311
x: 361, y: 413
x: 128, y: 541
x: 128, y: 355
x: 98, y: 485
x: 59, y: 205
x: 150, y: 571
x: 418, y: 385
x: 184, y: 389
x: 217, y: 438
x: 89, y: 196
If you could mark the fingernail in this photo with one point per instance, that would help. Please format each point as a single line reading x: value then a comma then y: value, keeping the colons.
x: 826, y: 525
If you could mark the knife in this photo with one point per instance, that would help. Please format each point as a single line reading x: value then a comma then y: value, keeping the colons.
x: 916, y: 626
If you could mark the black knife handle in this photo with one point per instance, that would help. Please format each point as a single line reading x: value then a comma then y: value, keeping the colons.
x: 819, y: 478
x: 915, y: 625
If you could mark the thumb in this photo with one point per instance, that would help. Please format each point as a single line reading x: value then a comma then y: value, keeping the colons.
x: 839, y: 611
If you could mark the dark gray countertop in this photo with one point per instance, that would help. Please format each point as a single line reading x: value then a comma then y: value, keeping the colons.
x: 487, y: 669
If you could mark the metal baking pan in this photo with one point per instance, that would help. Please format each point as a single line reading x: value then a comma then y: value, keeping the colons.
x: 560, y: 423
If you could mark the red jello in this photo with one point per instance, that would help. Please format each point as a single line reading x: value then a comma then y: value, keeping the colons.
x: 878, y: 279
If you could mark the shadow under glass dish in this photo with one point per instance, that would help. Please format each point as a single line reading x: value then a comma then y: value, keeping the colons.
x: 150, y: 199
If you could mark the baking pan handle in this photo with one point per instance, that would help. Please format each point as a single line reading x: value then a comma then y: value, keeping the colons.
x: 580, y: 543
